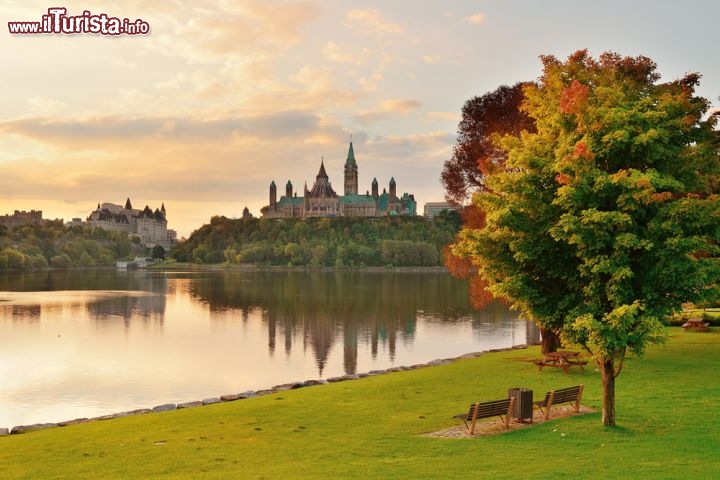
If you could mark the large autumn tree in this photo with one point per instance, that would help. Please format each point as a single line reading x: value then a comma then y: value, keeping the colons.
x: 476, y: 155
x: 607, y: 218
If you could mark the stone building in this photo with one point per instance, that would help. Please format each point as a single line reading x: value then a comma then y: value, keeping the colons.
x: 149, y: 225
x: 20, y: 218
x: 323, y: 201
x: 433, y: 209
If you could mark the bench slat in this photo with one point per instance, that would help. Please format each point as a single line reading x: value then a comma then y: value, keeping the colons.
x: 501, y: 408
x: 561, y: 395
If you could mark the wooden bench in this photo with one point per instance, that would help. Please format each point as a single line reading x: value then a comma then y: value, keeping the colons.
x: 561, y: 395
x: 501, y: 408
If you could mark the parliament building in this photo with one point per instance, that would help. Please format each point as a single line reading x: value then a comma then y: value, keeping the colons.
x: 323, y: 201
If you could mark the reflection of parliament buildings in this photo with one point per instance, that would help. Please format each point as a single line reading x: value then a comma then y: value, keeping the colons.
x: 322, y: 312
x: 322, y: 201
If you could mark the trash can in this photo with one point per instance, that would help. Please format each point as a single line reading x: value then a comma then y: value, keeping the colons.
x: 523, y: 408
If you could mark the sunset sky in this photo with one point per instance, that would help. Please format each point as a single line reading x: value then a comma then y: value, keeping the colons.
x: 222, y: 97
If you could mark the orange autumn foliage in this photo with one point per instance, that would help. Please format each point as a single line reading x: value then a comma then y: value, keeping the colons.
x: 574, y: 97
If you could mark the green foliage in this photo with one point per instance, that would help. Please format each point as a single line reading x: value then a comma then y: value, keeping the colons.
x: 320, y: 242
x: 53, y: 245
x: 158, y: 252
x: 607, y: 219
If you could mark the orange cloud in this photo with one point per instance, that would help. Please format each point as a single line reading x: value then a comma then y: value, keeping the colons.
x: 476, y: 19
x: 388, y: 108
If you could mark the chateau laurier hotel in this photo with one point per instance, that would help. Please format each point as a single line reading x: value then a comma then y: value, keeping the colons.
x: 322, y: 201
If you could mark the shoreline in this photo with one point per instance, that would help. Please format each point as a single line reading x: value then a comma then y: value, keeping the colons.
x: 20, y: 429
x: 279, y: 268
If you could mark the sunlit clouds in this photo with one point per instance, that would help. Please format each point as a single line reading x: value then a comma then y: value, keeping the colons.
x: 475, y: 19
x: 223, y: 97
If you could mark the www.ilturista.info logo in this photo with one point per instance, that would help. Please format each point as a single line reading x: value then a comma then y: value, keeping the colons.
x: 58, y: 22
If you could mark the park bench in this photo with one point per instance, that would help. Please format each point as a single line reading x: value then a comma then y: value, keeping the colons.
x: 500, y: 408
x: 558, y: 396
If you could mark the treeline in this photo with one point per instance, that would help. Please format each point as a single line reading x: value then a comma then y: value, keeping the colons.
x: 321, y: 242
x: 53, y: 245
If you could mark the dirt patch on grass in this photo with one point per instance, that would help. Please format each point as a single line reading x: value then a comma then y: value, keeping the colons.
x: 495, y: 426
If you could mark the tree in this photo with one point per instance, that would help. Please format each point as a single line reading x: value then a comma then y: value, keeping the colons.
x: 475, y: 154
x: 158, y: 252
x: 606, y: 220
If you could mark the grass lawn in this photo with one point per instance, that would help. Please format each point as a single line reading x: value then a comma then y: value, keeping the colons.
x: 668, y: 412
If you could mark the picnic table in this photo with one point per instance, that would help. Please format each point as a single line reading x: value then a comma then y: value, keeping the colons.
x: 561, y: 359
x: 696, y: 324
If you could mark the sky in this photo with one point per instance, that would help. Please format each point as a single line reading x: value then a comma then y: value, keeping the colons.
x: 222, y: 97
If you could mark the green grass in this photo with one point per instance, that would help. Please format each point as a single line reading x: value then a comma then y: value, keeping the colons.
x: 668, y: 412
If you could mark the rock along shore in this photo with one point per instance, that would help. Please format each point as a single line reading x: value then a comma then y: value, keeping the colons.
x: 244, y: 395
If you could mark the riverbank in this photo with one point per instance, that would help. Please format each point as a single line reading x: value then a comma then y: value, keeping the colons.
x: 373, y: 427
x: 231, y: 397
x: 254, y: 268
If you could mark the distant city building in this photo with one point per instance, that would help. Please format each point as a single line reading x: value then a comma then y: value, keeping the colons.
x: 432, y: 209
x: 75, y: 222
x: 20, y: 218
x: 323, y: 201
x: 149, y: 225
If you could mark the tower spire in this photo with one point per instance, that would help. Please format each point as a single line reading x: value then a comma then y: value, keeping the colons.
x: 351, y: 172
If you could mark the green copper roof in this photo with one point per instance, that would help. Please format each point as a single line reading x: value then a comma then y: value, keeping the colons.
x: 351, y: 156
x: 357, y: 199
x: 290, y: 201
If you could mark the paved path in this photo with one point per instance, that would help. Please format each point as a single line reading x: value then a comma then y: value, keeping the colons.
x: 494, y: 426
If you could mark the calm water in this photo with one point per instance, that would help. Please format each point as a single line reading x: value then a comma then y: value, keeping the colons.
x: 83, y: 344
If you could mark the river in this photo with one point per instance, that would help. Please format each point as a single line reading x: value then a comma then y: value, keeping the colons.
x: 88, y: 343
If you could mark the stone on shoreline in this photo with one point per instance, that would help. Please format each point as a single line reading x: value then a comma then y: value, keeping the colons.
x: 196, y: 403
x: 73, y: 422
x: 311, y: 383
x: 443, y: 361
x: 288, y: 386
x: 165, y: 407
x: 30, y: 428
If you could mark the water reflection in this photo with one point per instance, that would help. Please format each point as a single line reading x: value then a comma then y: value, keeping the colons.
x: 371, y: 308
x: 96, y: 342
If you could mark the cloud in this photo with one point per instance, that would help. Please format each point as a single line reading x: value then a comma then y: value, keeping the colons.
x: 475, y: 19
x: 45, y: 105
x: 334, y: 53
x: 371, y: 21
x: 245, y: 30
x: 95, y: 132
x: 388, y: 108
x: 416, y: 148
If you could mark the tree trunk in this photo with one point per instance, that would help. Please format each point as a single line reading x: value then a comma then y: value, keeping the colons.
x: 550, y: 340
x: 607, y: 369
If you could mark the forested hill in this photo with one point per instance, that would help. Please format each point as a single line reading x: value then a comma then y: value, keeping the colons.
x: 321, y: 242
x: 52, y: 244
